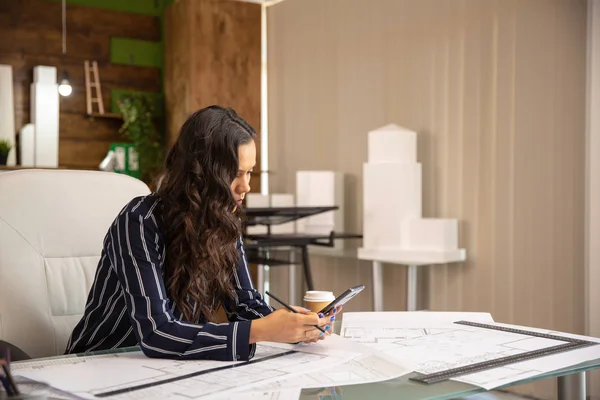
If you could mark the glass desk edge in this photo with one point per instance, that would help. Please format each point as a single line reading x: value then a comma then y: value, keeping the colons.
x: 383, y: 388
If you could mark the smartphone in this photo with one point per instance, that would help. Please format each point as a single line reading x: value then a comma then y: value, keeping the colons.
x: 343, y: 298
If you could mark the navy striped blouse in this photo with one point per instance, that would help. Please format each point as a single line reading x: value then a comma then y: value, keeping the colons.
x: 128, y: 304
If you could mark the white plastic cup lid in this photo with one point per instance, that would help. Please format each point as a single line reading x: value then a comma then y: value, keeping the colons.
x: 318, y: 295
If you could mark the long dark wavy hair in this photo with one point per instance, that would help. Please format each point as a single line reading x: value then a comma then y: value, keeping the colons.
x: 200, y: 225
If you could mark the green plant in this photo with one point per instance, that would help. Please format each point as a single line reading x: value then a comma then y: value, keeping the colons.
x: 139, y: 128
x: 5, y: 147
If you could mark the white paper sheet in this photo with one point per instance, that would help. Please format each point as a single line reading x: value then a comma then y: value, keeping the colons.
x: 410, y: 319
x: 432, y: 342
x: 333, y: 362
x: 285, y: 394
x: 365, y: 366
x: 86, y: 377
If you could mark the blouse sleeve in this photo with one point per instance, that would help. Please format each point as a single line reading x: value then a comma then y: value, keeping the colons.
x: 137, y: 254
x: 248, y: 303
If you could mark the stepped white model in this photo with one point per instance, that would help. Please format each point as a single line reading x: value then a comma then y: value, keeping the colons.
x: 318, y: 189
x: 7, y: 111
x: 44, y: 116
x: 393, y: 228
x: 257, y: 200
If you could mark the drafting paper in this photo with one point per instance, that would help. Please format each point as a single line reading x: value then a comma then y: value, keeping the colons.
x: 431, y: 342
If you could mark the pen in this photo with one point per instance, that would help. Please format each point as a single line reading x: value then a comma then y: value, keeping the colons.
x: 9, y: 392
x: 290, y: 308
x: 8, y: 377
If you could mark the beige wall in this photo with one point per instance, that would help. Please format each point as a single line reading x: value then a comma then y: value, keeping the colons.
x: 593, y: 178
x: 496, y: 92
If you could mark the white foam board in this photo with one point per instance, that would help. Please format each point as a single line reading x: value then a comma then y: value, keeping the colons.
x: 7, y: 111
x: 27, y: 145
x: 392, y: 143
x: 257, y: 200
x: 319, y: 229
x: 321, y: 188
x: 44, y: 116
x: 283, y: 200
x: 391, y: 194
x: 412, y: 257
x: 430, y: 234
x: 44, y: 74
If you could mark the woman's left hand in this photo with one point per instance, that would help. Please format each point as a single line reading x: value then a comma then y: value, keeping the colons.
x: 329, y: 326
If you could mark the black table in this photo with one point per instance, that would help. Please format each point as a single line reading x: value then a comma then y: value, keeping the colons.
x: 256, y: 244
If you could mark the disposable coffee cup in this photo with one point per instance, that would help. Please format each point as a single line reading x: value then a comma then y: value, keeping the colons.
x: 316, y: 300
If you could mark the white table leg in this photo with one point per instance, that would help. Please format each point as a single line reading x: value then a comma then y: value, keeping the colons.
x: 293, y: 291
x: 377, y: 286
x: 411, y: 288
x: 260, y: 278
x: 267, y: 277
x: 571, y: 387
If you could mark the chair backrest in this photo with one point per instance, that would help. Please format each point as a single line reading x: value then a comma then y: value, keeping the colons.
x: 52, y: 227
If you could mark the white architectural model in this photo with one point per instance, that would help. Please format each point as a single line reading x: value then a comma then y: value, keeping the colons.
x: 313, y: 188
x: 27, y: 145
x: 393, y: 228
x: 7, y: 110
x: 256, y: 200
x: 44, y: 115
x: 317, y: 189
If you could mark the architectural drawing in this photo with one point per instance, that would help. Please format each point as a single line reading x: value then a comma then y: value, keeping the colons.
x: 432, y: 348
x: 133, y: 375
x: 363, y: 369
x: 276, y: 372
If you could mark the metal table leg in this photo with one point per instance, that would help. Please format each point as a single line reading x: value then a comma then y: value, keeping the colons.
x: 571, y: 387
x: 306, y: 264
x: 377, y: 286
x: 411, y: 288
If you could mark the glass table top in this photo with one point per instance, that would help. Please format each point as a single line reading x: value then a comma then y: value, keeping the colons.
x: 399, y: 388
x: 405, y: 389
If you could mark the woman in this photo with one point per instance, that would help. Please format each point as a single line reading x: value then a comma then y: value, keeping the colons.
x: 171, y: 258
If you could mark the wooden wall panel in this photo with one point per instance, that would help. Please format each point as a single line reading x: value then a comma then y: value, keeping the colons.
x: 110, y: 74
x: 226, y: 63
x: 31, y: 34
x: 35, y: 15
x: 90, y: 128
x: 221, y: 65
x: 76, y: 154
x: 178, y: 67
x: 48, y: 42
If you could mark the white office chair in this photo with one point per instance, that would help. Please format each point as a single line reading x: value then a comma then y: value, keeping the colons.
x: 52, y: 226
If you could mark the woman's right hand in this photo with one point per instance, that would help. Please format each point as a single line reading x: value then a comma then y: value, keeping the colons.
x: 284, y: 326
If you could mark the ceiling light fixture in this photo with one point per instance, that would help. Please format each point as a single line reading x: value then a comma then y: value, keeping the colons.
x: 64, y: 89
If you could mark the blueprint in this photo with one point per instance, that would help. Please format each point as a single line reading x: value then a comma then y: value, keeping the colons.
x: 134, y: 376
x: 363, y: 369
x: 367, y: 367
x: 286, y: 394
x: 430, y: 342
x: 277, y: 372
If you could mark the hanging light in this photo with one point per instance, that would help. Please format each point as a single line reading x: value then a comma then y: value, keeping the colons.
x: 64, y: 89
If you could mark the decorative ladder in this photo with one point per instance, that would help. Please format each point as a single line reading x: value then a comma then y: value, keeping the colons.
x: 92, y: 72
